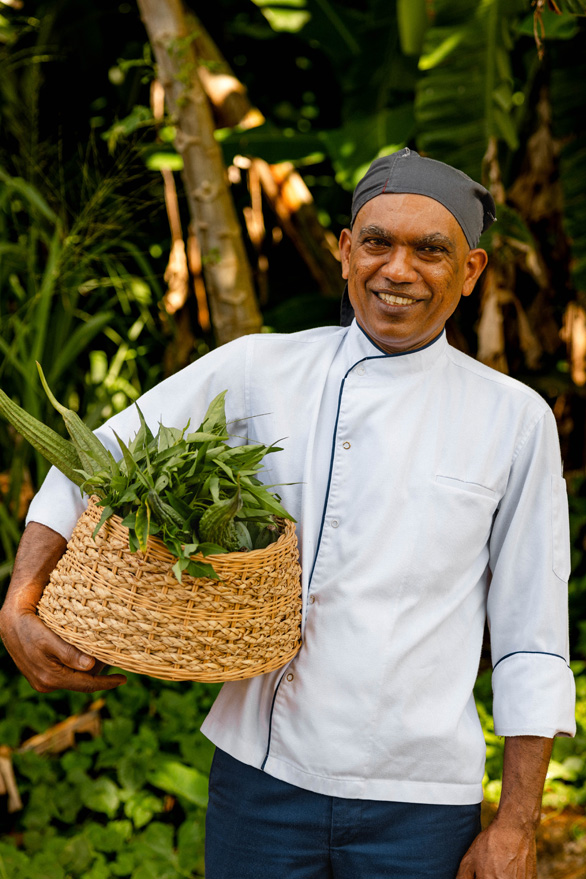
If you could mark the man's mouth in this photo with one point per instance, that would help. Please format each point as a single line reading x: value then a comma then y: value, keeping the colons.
x: 393, y: 299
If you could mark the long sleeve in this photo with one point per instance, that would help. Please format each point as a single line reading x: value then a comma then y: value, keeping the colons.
x: 183, y: 397
x: 533, y: 686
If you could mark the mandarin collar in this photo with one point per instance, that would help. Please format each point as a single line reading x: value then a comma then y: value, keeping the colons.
x: 361, y: 349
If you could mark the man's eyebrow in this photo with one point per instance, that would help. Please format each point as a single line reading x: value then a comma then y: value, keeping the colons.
x: 435, y: 238
x: 420, y: 241
x: 375, y: 230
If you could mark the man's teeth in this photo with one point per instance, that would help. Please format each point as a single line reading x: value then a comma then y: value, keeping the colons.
x: 391, y: 299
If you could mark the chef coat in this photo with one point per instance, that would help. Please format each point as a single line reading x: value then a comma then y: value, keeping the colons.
x: 429, y: 494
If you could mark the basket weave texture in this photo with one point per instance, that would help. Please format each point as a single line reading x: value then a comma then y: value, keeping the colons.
x: 127, y: 609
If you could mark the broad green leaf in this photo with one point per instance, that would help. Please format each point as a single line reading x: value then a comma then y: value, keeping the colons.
x: 109, y: 838
x: 210, y: 549
x: 101, y: 795
x: 142, y: 807
x: 365, y: 137
x: 175, y: 778
x: 243, y: 534
x: 200, y: 569
x: 465, y: 96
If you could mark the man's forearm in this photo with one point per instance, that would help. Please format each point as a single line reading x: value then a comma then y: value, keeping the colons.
x: 506, y: 849
x: 39, y: 551
x: 525, y: 765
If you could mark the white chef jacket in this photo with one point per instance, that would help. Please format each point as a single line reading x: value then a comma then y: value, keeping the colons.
x: 428, y: 493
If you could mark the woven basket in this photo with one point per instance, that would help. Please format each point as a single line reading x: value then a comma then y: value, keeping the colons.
x: 127, y: 609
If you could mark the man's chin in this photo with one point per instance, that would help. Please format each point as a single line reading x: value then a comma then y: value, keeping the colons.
x: 392, y: 337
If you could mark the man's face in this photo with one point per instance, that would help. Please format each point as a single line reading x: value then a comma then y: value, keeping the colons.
x: 407, y: 262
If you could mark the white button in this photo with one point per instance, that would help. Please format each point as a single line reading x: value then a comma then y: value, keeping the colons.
x: 312, y: 599
x: 290, y: 676
x: 334, y: 523
x: 346, y: 445
x: 360, y: 370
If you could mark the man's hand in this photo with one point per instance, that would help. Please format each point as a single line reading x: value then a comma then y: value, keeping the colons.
x: 500, y: 852
x: 506, y: 849
x: 48, y: 662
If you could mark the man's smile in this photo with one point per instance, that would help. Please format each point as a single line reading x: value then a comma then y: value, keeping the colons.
x: 395, y: 298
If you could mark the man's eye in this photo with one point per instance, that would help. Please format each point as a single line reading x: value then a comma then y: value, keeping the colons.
x: 376, y: 242
x: 431, y: 249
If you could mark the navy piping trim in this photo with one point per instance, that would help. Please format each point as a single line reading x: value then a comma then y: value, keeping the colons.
x: 538, y: 652
x: 384, y: 354
x: 397, y: 353
x: 271, y: 722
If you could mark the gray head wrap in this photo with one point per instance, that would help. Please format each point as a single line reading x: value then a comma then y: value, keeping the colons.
x: 408, y: 172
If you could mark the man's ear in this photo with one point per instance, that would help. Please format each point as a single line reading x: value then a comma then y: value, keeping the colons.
x: 475, y: 264
x: 345, y: 244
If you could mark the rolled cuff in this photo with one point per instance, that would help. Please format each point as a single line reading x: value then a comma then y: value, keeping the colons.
x: 534, y: 695
x: 58, y: 504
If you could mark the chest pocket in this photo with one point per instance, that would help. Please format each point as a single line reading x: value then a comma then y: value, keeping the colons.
x: 471, y: 487
x: 458, y: 523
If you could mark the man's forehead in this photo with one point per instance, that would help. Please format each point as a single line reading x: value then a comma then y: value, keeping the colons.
x: 407, y: 173
x: 419, y: 215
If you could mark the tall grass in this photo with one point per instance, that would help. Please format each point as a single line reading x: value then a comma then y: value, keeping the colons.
x: 77, y: 298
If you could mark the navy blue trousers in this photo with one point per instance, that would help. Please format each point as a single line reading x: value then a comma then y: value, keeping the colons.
x: 258, y: 827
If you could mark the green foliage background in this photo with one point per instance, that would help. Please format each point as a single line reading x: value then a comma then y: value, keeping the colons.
x: 84, y: 242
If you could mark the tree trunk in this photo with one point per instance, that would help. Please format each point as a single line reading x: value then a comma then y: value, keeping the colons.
x: 282, y: 184
x: 227, y: 273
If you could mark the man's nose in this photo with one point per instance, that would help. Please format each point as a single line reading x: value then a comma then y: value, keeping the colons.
x: 398, y: 266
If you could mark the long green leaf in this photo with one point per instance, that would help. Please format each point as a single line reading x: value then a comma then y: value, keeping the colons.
x: 46, y: 292
x: 413, y: 21
x: 465, y: 95
x: 77, y: 342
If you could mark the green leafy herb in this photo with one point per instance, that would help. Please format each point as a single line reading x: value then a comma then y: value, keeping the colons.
x: 195, y: 491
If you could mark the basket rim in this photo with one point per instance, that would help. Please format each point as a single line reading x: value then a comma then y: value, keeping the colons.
x: 157, y: 544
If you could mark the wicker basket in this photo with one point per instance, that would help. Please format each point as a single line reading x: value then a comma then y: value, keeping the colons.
x: 127, y: 609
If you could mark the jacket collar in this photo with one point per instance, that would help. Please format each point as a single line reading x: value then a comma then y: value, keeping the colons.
x: 361, y: 349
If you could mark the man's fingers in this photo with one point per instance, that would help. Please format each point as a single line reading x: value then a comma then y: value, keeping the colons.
x: 69, y: 655
x: 58, y: 677
x: 467, y: 870
x: 53, y: 664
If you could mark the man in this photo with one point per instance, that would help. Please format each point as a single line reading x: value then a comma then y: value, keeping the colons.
x: 428, y: 492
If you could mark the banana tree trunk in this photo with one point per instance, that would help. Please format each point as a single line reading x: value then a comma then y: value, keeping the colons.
x: 227, y: 273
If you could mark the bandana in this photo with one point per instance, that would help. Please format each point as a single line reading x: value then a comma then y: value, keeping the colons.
x: 408, y: 172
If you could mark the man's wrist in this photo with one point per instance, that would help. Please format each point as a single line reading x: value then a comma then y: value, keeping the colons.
x: 513, y: 818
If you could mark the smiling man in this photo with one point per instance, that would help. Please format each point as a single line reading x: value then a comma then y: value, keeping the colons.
x: 408, y: 262
x: 429, y: 496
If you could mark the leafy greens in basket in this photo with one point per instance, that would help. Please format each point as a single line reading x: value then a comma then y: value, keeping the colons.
x: 194, y: 491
